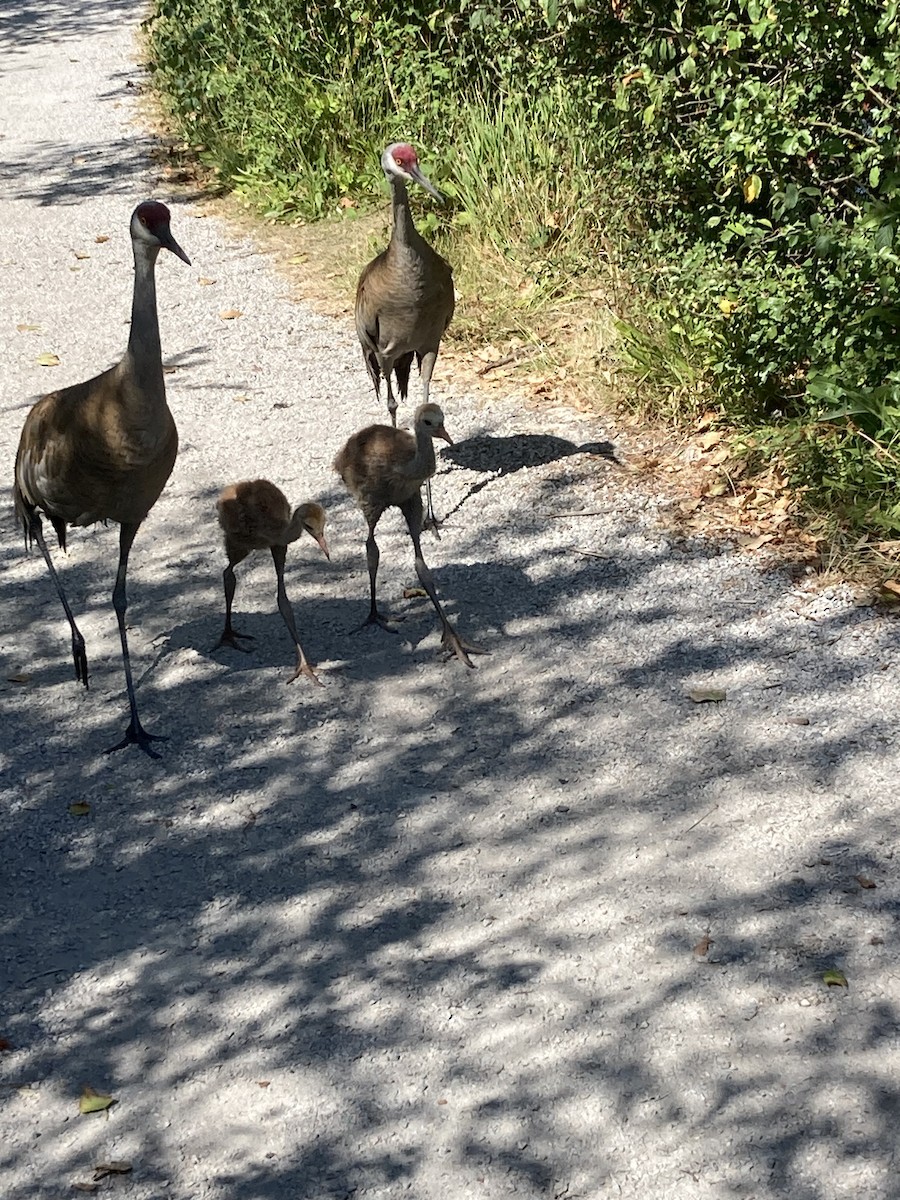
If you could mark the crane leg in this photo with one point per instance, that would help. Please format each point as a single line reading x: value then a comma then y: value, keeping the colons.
x: 229, y: 633
x: 279, y: 554
x: 452, y: 641
x: 391, y: 400
x: 426, y: 367
x: 79, y: 653
x: 135, y: 733
x: 373, y: 556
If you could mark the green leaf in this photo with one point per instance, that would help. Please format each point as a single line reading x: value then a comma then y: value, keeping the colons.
x: 91, y: 1101
x: 835, y: 978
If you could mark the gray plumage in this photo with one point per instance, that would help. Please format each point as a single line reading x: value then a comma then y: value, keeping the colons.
x: 383, y: 467
x: 103, y: 450
x: 404, y: 298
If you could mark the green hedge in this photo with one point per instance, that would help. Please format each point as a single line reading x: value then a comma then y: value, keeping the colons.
x: 740, y: 159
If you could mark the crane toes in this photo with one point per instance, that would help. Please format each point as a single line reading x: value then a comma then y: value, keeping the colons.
x: 376, y: 618
x: 456, y: 645
x: 137, y: 735
x: 229, y: 638
x: 433, y: 524
x: 305, y: 669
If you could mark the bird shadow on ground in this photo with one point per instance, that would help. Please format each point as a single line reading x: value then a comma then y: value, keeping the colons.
x: 281, y: 901
x: 499, y: 456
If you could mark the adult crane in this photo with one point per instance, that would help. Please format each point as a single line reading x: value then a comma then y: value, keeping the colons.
x: 103, y: 450
x: 404, y: 298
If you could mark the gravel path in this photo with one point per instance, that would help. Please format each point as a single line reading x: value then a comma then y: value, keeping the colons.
x: 424, y: 930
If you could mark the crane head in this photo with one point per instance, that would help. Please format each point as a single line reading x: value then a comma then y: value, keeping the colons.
x: 312, y: 518
x: 431, y: 416
x: 400, y: 161
x: 150, y: 227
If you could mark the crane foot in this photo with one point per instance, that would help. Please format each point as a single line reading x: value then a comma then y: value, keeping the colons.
x: 433, y: 524
x: 305, y: 669
x: 137, y: 735
x: 456, y: 645
x: 229, y: 638
x: 375, y: 618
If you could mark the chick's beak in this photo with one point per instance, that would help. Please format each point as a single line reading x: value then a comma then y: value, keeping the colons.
x: 442, y: 433
x: 323, y: 546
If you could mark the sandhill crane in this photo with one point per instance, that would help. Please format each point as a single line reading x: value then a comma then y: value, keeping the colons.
x: 384, y: 467
x: 404, y: 298
x: 255, y: 515
x: 103, y: 450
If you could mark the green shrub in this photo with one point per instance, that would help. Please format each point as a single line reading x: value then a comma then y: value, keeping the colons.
x: 738, y: 160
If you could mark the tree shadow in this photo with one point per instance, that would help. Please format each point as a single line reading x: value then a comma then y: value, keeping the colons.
x: 422, y: 940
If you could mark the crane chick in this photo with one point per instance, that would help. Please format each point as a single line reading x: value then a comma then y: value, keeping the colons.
x: 256, y: 515
x: 384, y: 467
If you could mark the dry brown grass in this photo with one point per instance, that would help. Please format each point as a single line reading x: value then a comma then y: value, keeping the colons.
x: 561, y: 350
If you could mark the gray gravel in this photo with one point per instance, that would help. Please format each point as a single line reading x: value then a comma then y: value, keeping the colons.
x: 424, y: 930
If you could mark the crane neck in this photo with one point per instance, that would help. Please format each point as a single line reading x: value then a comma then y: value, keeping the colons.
x: 295, y: 526
x: 423, y: 463
x: 144, y: 353
x: 404, y: 227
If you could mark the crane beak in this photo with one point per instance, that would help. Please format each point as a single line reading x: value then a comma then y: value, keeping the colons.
x: 166, y: 239
x: 323, y: 546
x: 442, y: 433
x: 425, y: 182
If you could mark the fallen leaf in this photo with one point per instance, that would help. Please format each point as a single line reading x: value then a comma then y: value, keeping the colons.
x: 442, y: 1101
x: 228, y: 314
x: 297, y: 259
x: 707, y: 419
x: 91, y: 1101
x: 263, y: 1082
x: 835, y: 978
x: 796, y: 720
x: 702, y: 947
x: 80, y: 254
x: 413, y: 593
x: 719, y: 488
x: 80, y: 808
x: 101, y: 237
x: 707, y: 695
x: 20, y: 678
x: 864, y: 881
x: 242, y: 399
x: 889, y: 585
x: 720, y: 456
x: 727, y: 307
x: 119, y: 1167
x: 204, y: 282
x: 711, y: 439
x: 756, y: 542
x: 5, y: 1044
x: 346, y: 202
x: 28, y: 328
x: 47, y: 360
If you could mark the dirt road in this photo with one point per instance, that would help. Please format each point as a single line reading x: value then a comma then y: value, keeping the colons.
x: 543, y: 929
